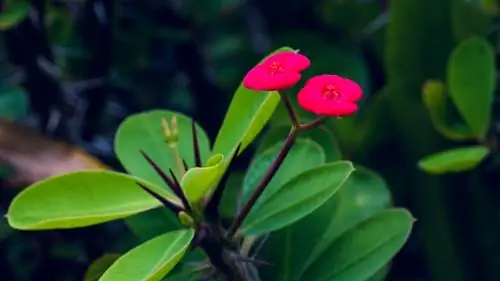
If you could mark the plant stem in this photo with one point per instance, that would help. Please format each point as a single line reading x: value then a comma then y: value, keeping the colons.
x: 289, y: 109
x: 262, y: 185
x: 287, y: 145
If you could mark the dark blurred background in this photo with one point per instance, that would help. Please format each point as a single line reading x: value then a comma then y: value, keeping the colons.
x: 72, y: 70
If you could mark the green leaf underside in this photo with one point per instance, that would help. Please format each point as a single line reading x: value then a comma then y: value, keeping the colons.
x: 291, y: 250
x: 198, y: 182
x: 152, y: 260
x: 143, y: 131
x: 99, y: 266
x: 298, y: 198
x: 472, y: 78
x: 360, y: 252
x: 322, y: 135
x: 151, y: 223
x: 14, y: 14
x: 79, y: 199
x: 454, y: 160
x: 304, y: 155
x: 247, y: 115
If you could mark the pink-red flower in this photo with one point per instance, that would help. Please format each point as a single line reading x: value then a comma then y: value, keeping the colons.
x: 330, y: 95
x: 278, y: 72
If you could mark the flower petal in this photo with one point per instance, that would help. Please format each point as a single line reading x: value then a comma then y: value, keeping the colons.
x: 351, y: 91
x: 254, y: 78
x: 324, y: 79
x: 259, y: 79
x: 311, y: 99
x: 291, y: 61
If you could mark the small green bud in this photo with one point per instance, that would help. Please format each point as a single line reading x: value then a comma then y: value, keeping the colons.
x: 186, y: 219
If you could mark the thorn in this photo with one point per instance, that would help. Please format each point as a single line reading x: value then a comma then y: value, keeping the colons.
x: 186, y: 167
x: 174, y: 208
x: 180, y: 192
x: 163, y: 176
x: 212, y: 207
x: 174, y: 186
x: 196, y: 147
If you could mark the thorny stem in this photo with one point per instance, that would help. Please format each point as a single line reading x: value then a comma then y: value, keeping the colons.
x: 287, y: 145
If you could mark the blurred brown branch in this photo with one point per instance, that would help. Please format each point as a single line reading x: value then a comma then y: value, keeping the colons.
x: 34, y: 157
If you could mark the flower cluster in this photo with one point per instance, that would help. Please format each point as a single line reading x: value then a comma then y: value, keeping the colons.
x: 329, y: 95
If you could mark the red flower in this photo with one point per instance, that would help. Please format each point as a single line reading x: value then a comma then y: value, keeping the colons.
x: 330, y: 95
x: 278, y: 72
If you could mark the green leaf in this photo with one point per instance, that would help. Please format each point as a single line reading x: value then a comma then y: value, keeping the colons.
x: 13, y: 103
x: 229, y: 203
x: 298, y: 198
x: 248, y: 113
x: 14, y: 14
x: 360, y: 252
x: 472, y: 80
x: 200, y: 181
x: 291, y: 251
x: 322, y: 135
x: 454, y: 160
x: 304, y: 155
x: 149, y: 224
x: 99, y: 266
x: 448, y: 124
x: 79, y: 199
x: 143, y: 131
x: 152, y: 260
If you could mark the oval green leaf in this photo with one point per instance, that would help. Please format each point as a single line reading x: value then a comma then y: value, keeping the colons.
x: 99, y: 266
x: 322, y: 135
x: 79, y: 199
x: 14, y: 14
x: 448, y: 124
x: 362, y: 251
x: 143, y: 131
x: 454, y: 160
x: 200, y: 181
x: 472, y: 79
x: 304, y: 155
x: 298, y: 198
x: 152, y: 260
x: 248, y: 113
x: 291, y: 250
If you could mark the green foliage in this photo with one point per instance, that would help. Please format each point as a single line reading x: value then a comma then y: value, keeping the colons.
x: 292, y: 249
x: 151, y: 223
x: 362, y: 251
x: 248, y: 113
x: 454, y: 160
x: 152, y: 260
x: 143, y: 131
x: 99, y: 266
x: 200, y: 181
x: 14, y: 14
x: 322, y: 135
x: 297, y: 198
x: 13, y: 103
x: 437, y: 102
x: 472, y: 80
x: 304, y: 155
x: 79, y: 199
